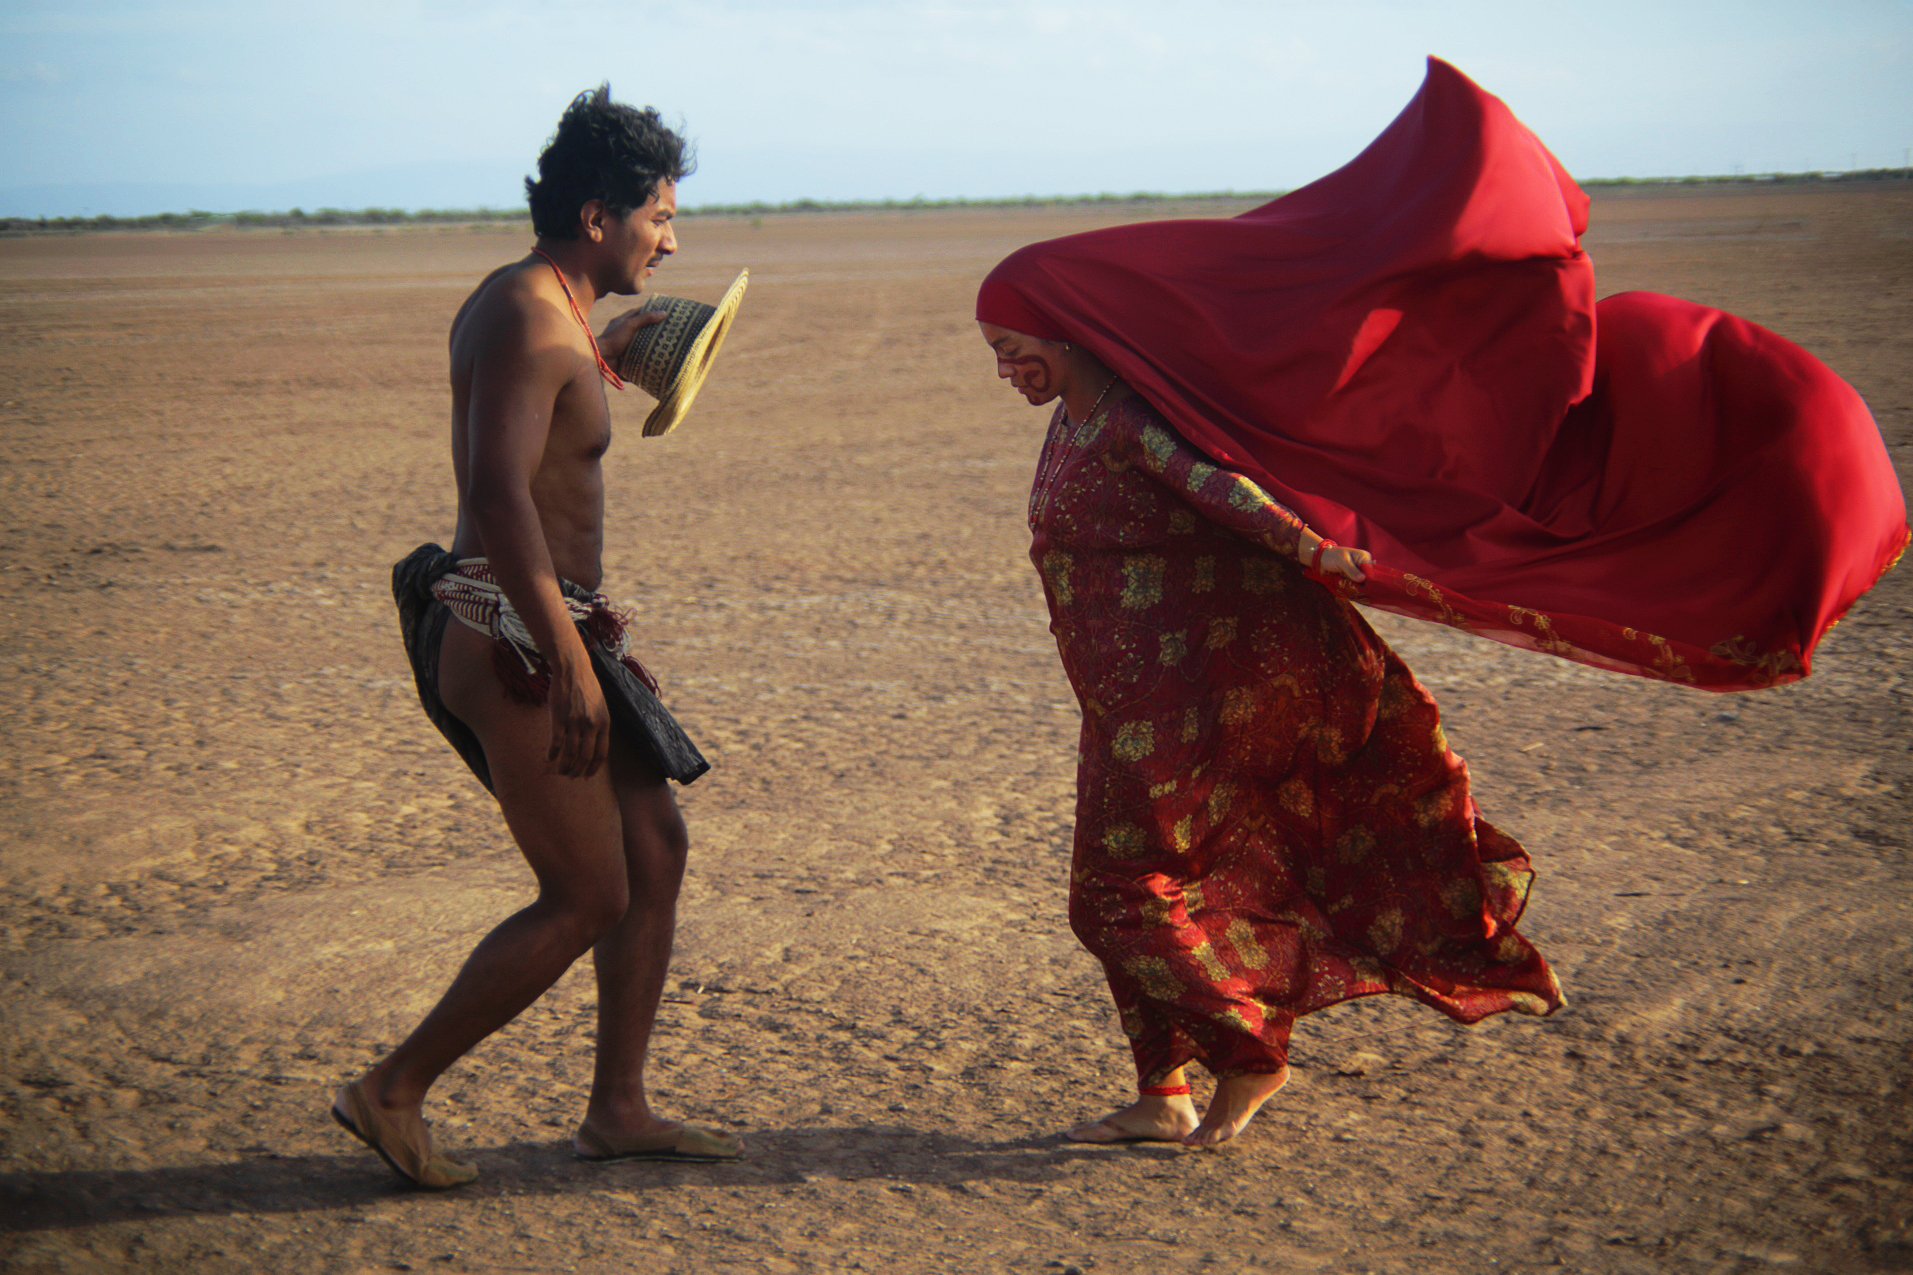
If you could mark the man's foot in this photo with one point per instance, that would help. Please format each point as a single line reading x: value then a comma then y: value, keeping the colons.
x: 400, y: 1138
x: 1148, y: 1119
x: 670, y: 1141
x: 1233, y: 1105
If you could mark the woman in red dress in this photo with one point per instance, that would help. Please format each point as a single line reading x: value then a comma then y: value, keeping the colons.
x: 1404, y: 355
x: 1268, y: 819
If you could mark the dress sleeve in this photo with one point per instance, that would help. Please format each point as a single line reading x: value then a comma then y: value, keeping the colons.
x: 1222, y: 496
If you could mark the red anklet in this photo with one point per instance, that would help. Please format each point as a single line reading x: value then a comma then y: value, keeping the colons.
x: 1162, y: 1091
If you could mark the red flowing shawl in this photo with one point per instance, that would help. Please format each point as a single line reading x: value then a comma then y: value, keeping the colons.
x: 1408, y: 353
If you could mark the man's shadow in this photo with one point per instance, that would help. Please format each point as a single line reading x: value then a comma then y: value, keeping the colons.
x: 265, y: 1184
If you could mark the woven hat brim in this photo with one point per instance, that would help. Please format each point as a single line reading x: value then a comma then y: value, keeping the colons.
x: 676, y: 400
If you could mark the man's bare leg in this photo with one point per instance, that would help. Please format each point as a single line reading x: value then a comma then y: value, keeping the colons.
x: 1233, y: 1105
x: 570, y: 831
x: 631, y: 959
x: 1151, y: 1118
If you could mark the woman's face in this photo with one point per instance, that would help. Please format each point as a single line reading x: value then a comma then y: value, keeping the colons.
x: 1033, y: 367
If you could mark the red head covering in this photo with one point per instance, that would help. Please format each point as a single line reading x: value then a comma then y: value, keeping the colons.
x: 1405, y: 353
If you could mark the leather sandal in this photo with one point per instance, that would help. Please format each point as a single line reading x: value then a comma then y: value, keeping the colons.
x: 680, y: 1142
x: 422, y: 1166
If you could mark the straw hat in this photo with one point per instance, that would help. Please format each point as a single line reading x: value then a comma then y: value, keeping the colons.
x: 669, y: 360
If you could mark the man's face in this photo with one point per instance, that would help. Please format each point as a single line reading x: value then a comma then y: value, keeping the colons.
x: 1030, y: 364
x: 642, y: 238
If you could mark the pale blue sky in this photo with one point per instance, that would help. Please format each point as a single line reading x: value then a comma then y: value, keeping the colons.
x: 113, y: 106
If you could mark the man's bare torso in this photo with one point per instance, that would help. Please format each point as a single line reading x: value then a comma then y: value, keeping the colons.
x: 519, y: 309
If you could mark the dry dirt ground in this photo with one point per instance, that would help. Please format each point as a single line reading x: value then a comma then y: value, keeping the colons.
x: 236, y: 862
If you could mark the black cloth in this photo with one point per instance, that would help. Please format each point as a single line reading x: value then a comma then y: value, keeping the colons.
x: 636, y: 714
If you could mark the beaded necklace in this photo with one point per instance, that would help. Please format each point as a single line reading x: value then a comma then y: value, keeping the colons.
x: 604, y: 369
x: 1058, y: 447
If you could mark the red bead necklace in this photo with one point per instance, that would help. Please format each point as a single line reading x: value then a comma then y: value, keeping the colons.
x: 604, y: 369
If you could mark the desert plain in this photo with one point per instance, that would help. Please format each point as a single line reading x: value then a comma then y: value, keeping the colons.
x: 236, y: 862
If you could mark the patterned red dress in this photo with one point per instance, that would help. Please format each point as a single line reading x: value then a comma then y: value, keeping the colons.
x: 1268, y: 818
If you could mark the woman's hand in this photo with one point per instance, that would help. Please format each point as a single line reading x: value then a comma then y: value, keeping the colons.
x: 1341, y: 560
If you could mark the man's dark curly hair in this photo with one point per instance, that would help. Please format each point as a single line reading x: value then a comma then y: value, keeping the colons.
x: 602, y: 150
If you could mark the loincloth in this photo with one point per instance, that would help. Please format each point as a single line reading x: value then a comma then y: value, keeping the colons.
x: 431, y: 587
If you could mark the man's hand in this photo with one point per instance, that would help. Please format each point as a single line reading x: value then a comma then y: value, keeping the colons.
x: 1340, y: 560
x: 580, y: 722
x: 617, y: 334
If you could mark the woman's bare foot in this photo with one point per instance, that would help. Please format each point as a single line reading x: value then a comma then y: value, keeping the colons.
x: 1234, y: 1104
x: 1148, y: 1119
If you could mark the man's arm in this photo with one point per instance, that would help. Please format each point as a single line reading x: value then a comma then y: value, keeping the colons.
x: 520, y: 368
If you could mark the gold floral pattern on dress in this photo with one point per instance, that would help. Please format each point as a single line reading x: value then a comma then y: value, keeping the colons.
x: 1160, y: 446
x: 1242, y: 938
x: 1246, y: 496
x: 1394, y: 700
x: 1205, y: 955
x: 1463, y: 898
x: 1056, y: 567
x: 1134, y: 741
x: 1181, y: 835
x: 1354, y: 845
x: 1192, y: 897
x: 1142, y: 582
x: 1157, y: 976
x: 1306, y: 922
x: 1434, y: 809
x: 1385, y: 931
x: 1297, y: 797
x: 1238, y: 706
x: 1263, y: 576
x: 1125, y: 840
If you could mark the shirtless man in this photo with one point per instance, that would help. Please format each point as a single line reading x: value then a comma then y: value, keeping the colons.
x: 581, y: 780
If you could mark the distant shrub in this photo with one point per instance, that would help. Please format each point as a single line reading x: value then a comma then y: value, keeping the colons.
x: 196, y: 219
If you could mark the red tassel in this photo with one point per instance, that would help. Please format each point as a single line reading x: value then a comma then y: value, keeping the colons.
x: 605, y: 627
x: 643, y: 673
x: 519, y: 682
x: 602, y: 627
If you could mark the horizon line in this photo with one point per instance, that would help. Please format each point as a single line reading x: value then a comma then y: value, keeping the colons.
x: 196, y: 218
